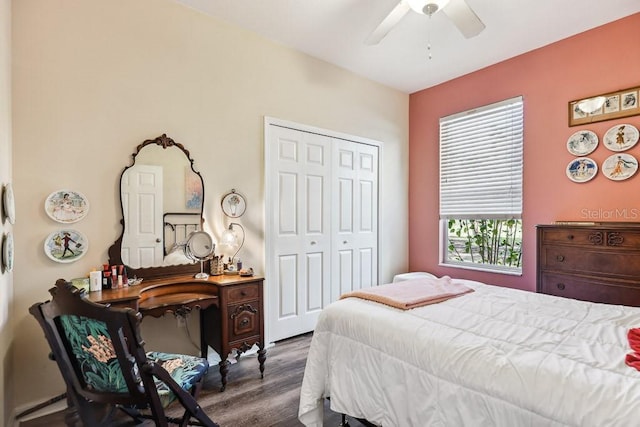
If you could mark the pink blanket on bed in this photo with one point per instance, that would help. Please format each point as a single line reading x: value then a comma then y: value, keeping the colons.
x: 412, y: 293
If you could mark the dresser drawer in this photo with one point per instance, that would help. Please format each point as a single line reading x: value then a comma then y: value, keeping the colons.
x: 244, y: 293
x: 607, y: 238
x: 590, y: 261
x: 590, y: 289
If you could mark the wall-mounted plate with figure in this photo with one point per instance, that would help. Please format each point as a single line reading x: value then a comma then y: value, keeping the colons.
x: 8, y: 204
x: 582, y: 169
x: 621, y: 137
x: 66, y: 206
x: 619, y: 167
x: 66, y: 245
x: 582, y: 142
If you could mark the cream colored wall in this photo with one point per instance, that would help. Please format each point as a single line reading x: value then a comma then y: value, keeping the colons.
x: 94, y: 78
x: 6, y: 278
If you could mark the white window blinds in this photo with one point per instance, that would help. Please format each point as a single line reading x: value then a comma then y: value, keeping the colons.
x: 481, y: 162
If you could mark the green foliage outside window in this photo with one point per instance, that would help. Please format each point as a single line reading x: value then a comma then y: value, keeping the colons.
x: 485, y: 241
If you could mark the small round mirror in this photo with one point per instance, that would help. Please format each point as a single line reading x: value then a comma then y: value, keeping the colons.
x: 199, y: 247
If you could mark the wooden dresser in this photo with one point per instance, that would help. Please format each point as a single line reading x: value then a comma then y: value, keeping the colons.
x: 592, y: 262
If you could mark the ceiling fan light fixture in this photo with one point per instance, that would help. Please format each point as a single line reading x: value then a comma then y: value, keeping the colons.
x: 591, y: 105
x: 427, y: 7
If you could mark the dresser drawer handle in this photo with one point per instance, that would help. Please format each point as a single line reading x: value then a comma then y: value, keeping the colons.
x: 243, y: 293
x: 560, y: 286
x: 570, y: 237
x: 244, y: 323
x: 560, y: 258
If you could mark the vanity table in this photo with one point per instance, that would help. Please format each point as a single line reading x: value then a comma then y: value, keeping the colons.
x: 162, y: 198
x: 230, y: 308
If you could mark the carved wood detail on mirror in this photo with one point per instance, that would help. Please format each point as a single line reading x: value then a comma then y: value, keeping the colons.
x: 161, y: 201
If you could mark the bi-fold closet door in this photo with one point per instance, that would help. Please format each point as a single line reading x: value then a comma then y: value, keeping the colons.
x: 322, y: 223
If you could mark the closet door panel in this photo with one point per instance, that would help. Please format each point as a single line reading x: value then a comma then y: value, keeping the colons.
x: 300, y: 220
x: 322, y: 224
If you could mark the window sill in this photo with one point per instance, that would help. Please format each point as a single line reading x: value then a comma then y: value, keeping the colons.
x: 485, y: 268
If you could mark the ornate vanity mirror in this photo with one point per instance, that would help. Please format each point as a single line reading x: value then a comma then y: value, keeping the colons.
x: 162, y: 198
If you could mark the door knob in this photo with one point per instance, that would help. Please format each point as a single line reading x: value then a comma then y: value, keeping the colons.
x: 158, y: 240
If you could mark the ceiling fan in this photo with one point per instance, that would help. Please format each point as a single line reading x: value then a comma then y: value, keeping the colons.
x: 458, y: 11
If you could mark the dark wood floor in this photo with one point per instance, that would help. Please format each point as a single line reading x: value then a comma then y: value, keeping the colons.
x: 249, y: 400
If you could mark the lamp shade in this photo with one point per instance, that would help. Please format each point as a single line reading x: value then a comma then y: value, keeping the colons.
x: 427, y: 7
x: 229, y: 237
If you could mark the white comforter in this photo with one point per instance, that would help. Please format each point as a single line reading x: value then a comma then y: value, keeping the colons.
x: 494, y: 357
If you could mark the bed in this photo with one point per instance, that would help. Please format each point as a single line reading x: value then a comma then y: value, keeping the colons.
x: 177, y: 228
x: 492, y: 357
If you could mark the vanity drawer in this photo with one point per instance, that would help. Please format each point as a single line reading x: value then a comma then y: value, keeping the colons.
x: 592, y: 237
x: 244, y: 320
x: 590, y: 289
x: 246, y: 292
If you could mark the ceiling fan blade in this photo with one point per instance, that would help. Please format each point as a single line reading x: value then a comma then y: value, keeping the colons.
x: 464, y: 18
x: 388, y: 23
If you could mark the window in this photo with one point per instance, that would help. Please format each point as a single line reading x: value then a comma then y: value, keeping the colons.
x: 481, y: 187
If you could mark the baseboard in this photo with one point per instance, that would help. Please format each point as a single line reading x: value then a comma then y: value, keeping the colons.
x: 46, y: 410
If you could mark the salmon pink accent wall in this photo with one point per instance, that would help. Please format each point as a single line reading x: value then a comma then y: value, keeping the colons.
x: 601, y: 60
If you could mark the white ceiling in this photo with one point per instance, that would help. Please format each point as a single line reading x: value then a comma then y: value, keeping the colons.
x: 336, y: 30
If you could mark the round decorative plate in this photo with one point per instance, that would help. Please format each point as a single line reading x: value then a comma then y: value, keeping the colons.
x: 582, y: 143
x: 621, y: 137
x: 66, y: 206
x: 7, y: 252
x: 9, y: 204
x: 582, y: 169
x: 233, y: 204
x: 66, y: 245
x: 619, y: 167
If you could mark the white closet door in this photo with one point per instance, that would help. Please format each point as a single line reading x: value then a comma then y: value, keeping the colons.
x: 355, y: 217
x: 322, y: 223
x: 300, y: 240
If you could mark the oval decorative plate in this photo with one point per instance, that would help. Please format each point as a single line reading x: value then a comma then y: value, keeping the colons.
x: 582, y: 143
x: 621, y: 137
x: 7, y: 252
x: 8, y: 203
x: 66, y: 245
x: 582, y: 169
x: 619, y: 167
x: 66, y: 206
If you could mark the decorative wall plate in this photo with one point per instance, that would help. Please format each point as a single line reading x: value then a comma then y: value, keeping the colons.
x: 582, y: 143
x: 619, y: 167
x: 66, y: 245
x: 621, y: 137
x: 7, y: 252
x: 66, y: 206
x: 233, y: 204
x: 582, y: 169
x: 8, y: 203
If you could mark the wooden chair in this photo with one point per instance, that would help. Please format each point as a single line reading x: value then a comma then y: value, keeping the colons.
x: 105, y: 367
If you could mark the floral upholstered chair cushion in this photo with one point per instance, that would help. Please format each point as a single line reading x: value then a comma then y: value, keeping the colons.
x: 95, y: 355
